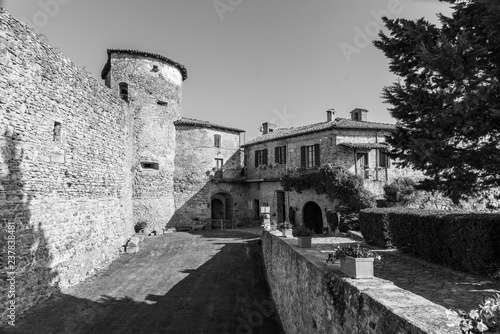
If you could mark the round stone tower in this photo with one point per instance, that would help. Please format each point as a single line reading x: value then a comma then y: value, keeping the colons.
x: 151, y: 87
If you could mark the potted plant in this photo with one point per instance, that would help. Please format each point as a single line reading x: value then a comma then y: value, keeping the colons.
x: 286, y: 228
x: 355, y: 261
x: 304, y: 236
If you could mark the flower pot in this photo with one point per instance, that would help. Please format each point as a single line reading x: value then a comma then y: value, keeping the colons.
x: 286, y: 232
x: 304, y: 242
x: 357, y: 267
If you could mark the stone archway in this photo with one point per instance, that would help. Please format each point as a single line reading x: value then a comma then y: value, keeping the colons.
x: 222, y: 206
x: 313, y: 217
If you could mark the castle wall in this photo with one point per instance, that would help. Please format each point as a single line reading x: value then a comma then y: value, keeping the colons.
x: 65, y: 188
x: 154, y: 94
x: 195, y: 169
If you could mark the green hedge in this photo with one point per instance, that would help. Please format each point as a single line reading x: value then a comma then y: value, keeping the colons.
x: 469, y: 242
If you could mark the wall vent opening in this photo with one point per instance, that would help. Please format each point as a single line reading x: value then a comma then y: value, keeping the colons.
x: 150, y: 165
x: 162, y: 103
x: 57, y: 131
x: 155, y: 68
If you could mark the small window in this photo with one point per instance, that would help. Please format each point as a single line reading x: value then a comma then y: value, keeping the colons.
x: 150, y: 165
x: 218, y: 164
x: 155, y: 68
x: 280, y: 155
x: 124, y: 91
x: 162, y: 103
x: 217, y: 140
x: 57, y: 131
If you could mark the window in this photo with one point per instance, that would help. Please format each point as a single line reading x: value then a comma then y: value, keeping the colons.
x: 155, y: 68
x: 310, y: 156
x: 362, y: 160
x: 218, y: 164
x: 123, y: 91
x: 260, y: 157
x: 218, y: 168
x: 383, y: 159
x: 280, y: 154
x: 217, y: 140
x: 57, y: 131
x: 150, y: 165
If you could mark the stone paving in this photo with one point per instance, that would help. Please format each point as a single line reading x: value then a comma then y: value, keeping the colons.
x: 179, y: 283
x: 441, y: 285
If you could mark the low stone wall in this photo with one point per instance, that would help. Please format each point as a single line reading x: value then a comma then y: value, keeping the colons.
x: 312, y: 298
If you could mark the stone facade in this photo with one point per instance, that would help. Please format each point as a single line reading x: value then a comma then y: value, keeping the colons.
x: 198, y: 178
x: 340, y: 142
x: 312, y: 298
x: 65, y: 184
x: 152, y: 88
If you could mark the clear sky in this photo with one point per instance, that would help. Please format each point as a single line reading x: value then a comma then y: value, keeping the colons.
x: 249, y: 62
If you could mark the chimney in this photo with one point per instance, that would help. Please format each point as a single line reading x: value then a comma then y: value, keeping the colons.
x: 359, y: 114
x: 329, y: 115
x: 265, y: 128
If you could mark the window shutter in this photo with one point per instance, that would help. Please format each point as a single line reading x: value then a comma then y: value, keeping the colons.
x: 284, y: 154
x: 256, y: 158
x: 264, y: 158
x: 303, y: 156
x: 317, y: 160
x: 277, y: 155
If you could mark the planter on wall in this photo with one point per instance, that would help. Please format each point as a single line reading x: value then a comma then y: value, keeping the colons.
x: 286, y: 232
x: 304, y: 242
x: 357, y: 267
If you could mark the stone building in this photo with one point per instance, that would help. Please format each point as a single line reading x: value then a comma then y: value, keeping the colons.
x: 354, y: 144
x: 82, y: 161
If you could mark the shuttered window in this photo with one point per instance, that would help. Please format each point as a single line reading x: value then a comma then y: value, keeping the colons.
x: 310, y: 156
x: 280, y: 154
x: 217, y: 140
x: 260, y: 157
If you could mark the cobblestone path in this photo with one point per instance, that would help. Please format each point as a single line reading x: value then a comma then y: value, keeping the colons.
x: 201, y: 282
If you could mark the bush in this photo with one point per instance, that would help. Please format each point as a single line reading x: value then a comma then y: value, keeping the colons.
x: 462, y: 241
x: 302, y: 231
x: 400, y: 190
x: 332, y: 219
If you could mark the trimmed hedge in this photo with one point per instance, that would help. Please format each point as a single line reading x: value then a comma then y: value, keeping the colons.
x: 463, y: 241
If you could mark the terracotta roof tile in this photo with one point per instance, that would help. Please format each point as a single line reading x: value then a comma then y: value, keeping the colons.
x: 364, y: 145
x: 204, y: 124
x: 339, y: 123
x: 107, y: 67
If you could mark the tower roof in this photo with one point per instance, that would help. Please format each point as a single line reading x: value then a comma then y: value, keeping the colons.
x: 107, y: 67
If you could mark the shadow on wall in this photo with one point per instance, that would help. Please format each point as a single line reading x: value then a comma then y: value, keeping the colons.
x: 25, y: 252
x: 195, y: 192
x: 225, y: 292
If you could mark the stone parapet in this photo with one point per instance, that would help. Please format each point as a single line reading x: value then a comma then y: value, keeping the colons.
x: 312, y: 298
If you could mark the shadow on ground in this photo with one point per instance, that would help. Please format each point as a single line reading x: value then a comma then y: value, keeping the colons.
x: 201, y: 282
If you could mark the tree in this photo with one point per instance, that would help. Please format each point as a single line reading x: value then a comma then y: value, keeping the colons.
x: 447, y: 97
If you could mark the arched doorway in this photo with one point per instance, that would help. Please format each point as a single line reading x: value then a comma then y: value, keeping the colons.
x: 313, y: 217
x: 222, y: 206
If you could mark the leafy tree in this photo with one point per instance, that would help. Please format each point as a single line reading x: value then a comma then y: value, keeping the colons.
x: 447, y: 97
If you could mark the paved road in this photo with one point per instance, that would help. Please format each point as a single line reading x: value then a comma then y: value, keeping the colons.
x: 201, y: 282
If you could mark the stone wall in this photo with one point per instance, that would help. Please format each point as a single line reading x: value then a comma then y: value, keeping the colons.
x: 155, y: 96
x: 65, y: 183
x: 196, y: 179
x: 311, y: 298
